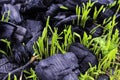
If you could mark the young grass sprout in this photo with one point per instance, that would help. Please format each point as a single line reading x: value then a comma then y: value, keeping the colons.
x: 31, y: 73
x: 9, y: 77
x: 8, y: 47
x: 83, y: 13
x: 46, y: 46
x: 78, y: 11
x: 91, y: 74
x: 64, y: 7
x: 97, y: 12
x: 6, y: 16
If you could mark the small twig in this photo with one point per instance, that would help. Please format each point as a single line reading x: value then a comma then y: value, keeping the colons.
x: 22, y: 67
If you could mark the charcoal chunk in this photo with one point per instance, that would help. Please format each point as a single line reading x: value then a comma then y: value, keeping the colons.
x: 52, y: 10
x: 4, y: 1
x: 47, y: 2
x: 11, y: 1
x: 37, y: 26
x: 32, y: 33
x: 58, y: 67
x: 59, y: 1
x: 6, y: 67
x: 71, y: 4
x: 17, y: 1
x: 19, y: 37
x: 20, y: 54
x: 30, y: 43
x: 66, y: 20
x: 102, y: 2
x: 103, y: 77
x: 12, y: 32
x: 98, y: 31
x: 20, y: 30
x: 19, y: 33
x: 60, y: 17
x: 104, y: 15
x: 14, y: 12
x: 6, y: 31
x: 84, y: 56
x: 70, y: 77
x: 32, y: 4
x: 105, y: 1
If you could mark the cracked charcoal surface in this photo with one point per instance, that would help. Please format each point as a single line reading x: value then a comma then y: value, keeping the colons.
x: 58, y: 67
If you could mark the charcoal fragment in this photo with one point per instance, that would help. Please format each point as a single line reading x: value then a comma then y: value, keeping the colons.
x: 98, y: 31
x: 19, y: 33
x: 52, y: 10
x: 47, y: 2
x: 11, y: 1
x: 17, y: 1
x: 6, y: 31
x: 18, y: 37
x: 58, y: 67
x: 33, y: 4
x: 104, y: 15
x: 59, y: 1
x: 6, y: 66
x: 4, y: 1
x: 30, y: 43
x: 100, y: 2
x: 20, y: 30
x: 12, y: 32
x: 60, y: 17
x: 71, y: 4
x: 70, y: 77
x: 14, y: 12
x: 105, y: 1
x: 66, y: 20
x: 37, y: 26
x: 32, y: 33
x: 84, y: 56
x: 20, y: 54
x: 103, y: 77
